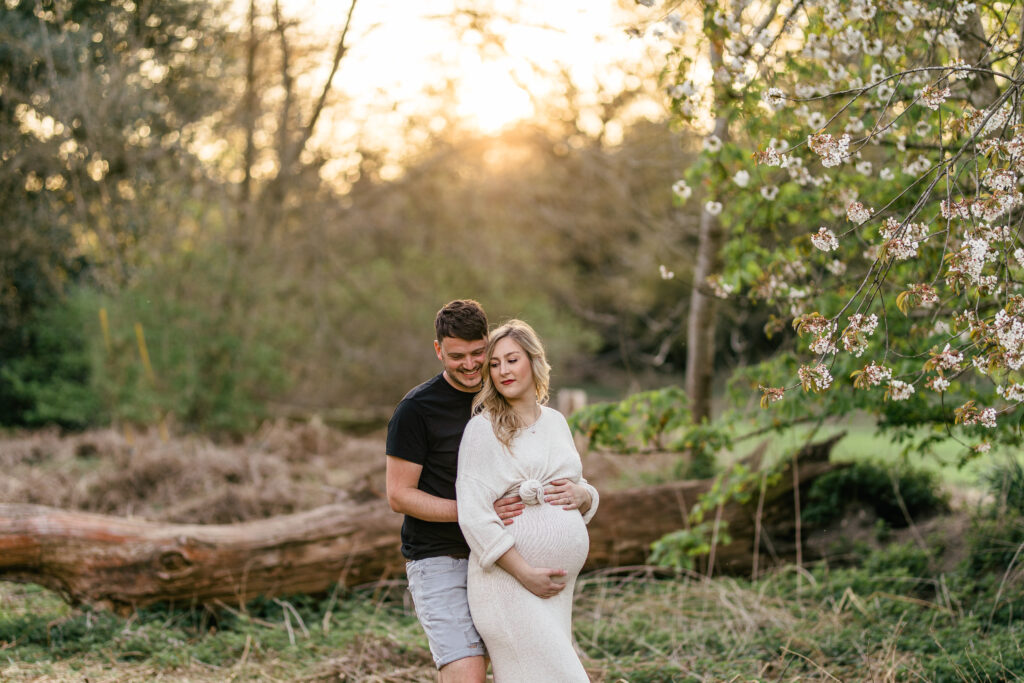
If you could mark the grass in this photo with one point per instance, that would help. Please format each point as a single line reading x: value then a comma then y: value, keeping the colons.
x: 301, y: 638
x: 893, y: 618
x: 903, y: 612
x: 863, y: 442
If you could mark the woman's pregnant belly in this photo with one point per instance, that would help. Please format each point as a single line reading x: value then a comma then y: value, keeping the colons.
x: 548, y: 536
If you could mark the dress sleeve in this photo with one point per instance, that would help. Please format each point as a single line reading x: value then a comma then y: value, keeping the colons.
x: 595, y: 498
x: 566, y: 434
x: 476, y: 489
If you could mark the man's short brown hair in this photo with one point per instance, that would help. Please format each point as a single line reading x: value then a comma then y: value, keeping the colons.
x: 461, y: 319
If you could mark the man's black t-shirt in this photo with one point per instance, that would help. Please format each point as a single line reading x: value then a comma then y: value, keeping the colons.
x: 426, y: 429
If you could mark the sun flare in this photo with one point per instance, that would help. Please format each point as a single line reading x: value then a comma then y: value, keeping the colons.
x: 489, y: 98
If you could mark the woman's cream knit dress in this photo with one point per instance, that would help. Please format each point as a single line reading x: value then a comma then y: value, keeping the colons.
x: 528, y: 638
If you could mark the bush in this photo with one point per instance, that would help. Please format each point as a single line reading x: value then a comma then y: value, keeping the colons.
x: 1006, y: 484
x: 993, y: 543
x: 877, y: 486
x: 49, y: 381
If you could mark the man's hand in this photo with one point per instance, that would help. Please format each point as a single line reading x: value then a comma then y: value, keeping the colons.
x: 508, y: 508
x: 568, y: 494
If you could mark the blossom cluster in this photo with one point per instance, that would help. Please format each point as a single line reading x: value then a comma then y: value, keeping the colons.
x: 831, y: 150
x: 815, y: 379
x: 902, y: 242
x: 891, y: 121
x: 825, y: 240
x: 871, y: 375
x: 899, y: 390
x: 856, y: 334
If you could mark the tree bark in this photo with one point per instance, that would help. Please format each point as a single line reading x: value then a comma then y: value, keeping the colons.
x: 123, y: 563
x: 700, y: 327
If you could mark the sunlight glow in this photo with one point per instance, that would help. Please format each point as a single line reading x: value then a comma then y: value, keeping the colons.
x: 489, y: 98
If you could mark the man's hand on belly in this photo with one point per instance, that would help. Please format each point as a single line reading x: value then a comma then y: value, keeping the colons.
x: 509, y: 508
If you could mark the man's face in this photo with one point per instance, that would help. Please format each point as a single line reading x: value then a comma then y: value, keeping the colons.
x: 463, y: 361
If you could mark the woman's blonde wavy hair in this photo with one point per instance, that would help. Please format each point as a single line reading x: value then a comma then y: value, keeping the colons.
x: 504, y: 419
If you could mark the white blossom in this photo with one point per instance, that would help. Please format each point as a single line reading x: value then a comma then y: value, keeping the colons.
x: 1009, y: 331
x: 836, y: 267
x: 962, y: 11
x: 855, y: 336
x: 1014, y: 392
x: 741, y: 178
x: 719, y: 287
x: 858, y: 213
x: 666, y: 274
x: 712, y: 143
x: 875, y: 374
x: 831, y: 150
x: 917, y: 166
x: 805, y: 90
x: 934, y: 97
x: 861, y: 10
x: 833, y: 17
x: 775, y: 98
x: 825, y: 240
x: 681, y: 189
x: 900, y: 390
x: 713, y: 208
x: 815, y: 378
x: 769, y: 192
x: 949, y: 40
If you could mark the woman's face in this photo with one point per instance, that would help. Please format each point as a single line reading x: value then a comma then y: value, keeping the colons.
x: 511, y: 371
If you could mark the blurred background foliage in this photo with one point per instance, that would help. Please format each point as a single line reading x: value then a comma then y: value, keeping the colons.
x: 182, y: 243
x: 172, y: 250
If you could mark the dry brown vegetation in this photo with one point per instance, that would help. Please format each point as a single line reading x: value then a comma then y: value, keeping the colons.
x: 280, y: 469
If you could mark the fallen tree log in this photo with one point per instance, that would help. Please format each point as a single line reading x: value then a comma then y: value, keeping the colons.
x: 123, y: 563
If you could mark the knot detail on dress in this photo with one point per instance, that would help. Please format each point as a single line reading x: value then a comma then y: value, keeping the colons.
x: 532, y: 492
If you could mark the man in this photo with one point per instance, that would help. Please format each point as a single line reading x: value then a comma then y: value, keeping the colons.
x: 422, y: 454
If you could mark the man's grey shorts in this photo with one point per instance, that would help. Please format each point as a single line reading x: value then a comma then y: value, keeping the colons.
x: 438, y: 587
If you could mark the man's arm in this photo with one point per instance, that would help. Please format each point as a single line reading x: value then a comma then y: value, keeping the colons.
x: 401, y: 481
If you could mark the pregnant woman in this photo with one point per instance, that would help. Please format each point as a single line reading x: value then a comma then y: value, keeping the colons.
x: 521, y: 576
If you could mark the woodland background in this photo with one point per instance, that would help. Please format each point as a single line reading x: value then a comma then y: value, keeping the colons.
x: 219, y: 268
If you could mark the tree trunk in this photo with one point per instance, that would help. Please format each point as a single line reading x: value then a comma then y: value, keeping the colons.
x: 700, y: 325
x: 122, y: 563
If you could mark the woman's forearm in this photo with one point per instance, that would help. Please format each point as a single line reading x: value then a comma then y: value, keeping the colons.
x: 541, y: 581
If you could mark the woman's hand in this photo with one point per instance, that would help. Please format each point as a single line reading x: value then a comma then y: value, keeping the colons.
x: 543, y: 582
x: 568, y: 494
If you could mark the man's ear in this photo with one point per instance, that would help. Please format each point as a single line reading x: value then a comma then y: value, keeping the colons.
x: 437, y: 349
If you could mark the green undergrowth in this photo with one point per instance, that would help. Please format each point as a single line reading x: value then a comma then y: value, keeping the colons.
x: 895, y: 616
x: 267, y: 640
x: 946, y: 606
